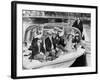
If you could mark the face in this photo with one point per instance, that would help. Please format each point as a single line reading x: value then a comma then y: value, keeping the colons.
x: 34, y: 34
x: 77, y: 37
x: 55, y: 32
x: 54, y: 35
x: 50, y: 35
x: 72, y: 31
x: 78, y: 19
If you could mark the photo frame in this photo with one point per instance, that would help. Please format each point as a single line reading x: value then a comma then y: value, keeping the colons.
x: 33, y: 23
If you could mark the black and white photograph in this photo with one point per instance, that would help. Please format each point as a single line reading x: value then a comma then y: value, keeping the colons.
x: 54, y: 39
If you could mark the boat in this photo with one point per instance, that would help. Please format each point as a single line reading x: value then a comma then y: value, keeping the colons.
x: 65, y: 60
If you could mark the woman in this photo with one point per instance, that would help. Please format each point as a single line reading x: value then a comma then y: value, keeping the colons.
x: 81, y: 61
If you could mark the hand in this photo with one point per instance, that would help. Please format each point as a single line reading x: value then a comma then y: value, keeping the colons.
x: 41, y: 53
x: 57, y: 49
